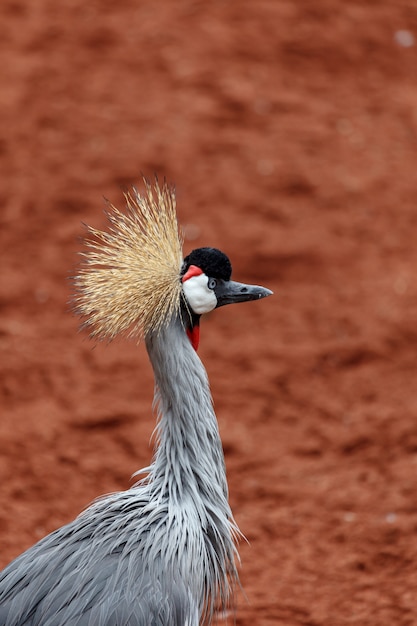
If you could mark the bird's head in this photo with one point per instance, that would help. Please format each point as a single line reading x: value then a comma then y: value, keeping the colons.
x: 133, y: 279
x: 207, y: 285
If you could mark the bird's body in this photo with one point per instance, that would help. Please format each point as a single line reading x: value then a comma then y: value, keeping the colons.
x: 161, y: 553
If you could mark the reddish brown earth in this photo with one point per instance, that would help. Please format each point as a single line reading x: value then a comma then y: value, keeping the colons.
x: 290, y: 131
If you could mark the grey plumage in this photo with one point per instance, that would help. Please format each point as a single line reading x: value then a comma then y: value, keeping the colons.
x: 104, y: 568
x: 163, y: 552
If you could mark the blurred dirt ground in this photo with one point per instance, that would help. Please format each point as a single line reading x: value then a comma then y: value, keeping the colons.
x: 290, y: 131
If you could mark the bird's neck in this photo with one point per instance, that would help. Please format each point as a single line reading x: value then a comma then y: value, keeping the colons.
x: 189, y: 458
x: 187, y: 477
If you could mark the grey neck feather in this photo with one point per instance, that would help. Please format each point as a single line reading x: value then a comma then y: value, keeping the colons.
x: 188, y: 471
x: 189, y: 457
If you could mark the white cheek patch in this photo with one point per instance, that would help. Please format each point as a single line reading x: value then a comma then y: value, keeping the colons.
x: 200, y: 298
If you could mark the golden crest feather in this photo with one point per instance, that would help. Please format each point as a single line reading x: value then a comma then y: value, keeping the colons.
x: 129, y: 281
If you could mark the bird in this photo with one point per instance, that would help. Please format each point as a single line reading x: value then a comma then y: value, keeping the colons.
x: 164, y: 551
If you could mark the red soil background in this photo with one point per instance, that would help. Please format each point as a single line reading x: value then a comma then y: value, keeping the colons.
x: 290, y: 130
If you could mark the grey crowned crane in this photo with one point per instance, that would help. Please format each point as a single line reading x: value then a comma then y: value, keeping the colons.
x: 161, y: 553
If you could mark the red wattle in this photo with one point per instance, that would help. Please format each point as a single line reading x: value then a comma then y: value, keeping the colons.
x: 194, y: 336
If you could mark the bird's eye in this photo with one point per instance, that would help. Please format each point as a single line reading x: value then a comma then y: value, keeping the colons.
x: 212, y: 283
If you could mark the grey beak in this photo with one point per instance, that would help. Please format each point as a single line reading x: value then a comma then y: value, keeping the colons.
x: 229, y: 292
